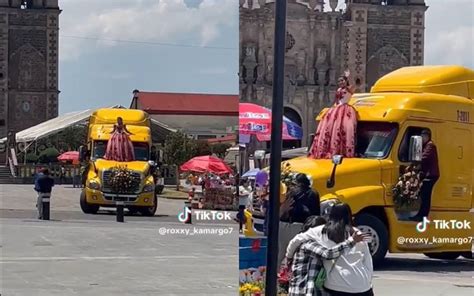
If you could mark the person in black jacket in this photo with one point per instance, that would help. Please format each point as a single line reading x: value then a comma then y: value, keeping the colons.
x: 43, y: 185
x: 302, y: 202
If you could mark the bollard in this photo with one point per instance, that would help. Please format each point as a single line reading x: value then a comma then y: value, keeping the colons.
x: 188, y: 212
x: 243, y: 201
x: 241, y: 218
x: 45, y: 205
x: 120, y: 216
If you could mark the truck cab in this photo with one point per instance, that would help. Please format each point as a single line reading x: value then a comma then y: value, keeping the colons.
x: 399, y: 106
x: 97, y: 193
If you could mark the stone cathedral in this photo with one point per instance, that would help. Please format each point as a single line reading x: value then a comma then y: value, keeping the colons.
x: 369, y: 38
x: 28, y: 63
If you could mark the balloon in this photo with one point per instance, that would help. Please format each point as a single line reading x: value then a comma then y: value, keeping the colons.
x: 261, y: 178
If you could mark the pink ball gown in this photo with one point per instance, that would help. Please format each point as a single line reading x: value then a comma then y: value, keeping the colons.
x: 119, y: 146
x: 337, y: 129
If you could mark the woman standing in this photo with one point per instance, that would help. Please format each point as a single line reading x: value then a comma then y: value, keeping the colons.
x: 119, y: 146
x: 350, y: 274
x: 337, y: 130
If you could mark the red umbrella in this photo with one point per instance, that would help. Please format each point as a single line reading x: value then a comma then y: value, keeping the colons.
x: 206, y: 164
x: 69, y: 156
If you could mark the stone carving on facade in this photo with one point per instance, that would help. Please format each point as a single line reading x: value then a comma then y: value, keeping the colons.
x: 391, y: 59
x: 301, y: 62
x: 31, y: 68
x: 322, y: 56
x: 269, y: 67
x: 385, y: 60
x: 249, y: 63
x: 321, y: 45
x: 29, y: 41
x: 290, y: 87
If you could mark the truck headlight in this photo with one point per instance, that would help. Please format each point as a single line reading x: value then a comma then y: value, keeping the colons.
x: 327, y: 205
x: 94, y: 185
x: 149, y: 188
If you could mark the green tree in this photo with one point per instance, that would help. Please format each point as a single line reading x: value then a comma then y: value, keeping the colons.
x: 49, y: 155
x: 72, y: 138
x: 220, y: 149
x: 177, y: 150
x: 203, y: 148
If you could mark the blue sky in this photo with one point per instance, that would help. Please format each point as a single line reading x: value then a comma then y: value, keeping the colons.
x: 96, y: 73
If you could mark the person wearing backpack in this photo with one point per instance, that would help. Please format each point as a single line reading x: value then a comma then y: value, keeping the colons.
x: 351, y: 273
x: 306, y: 266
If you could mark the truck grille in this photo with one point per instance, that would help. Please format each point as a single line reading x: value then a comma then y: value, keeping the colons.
x: 106, y: 177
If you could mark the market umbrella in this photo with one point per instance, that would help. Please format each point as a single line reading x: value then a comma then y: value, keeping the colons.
x: 206, y: 164
x: 257, y: 120
x: 251, y: 173
x: 72, y: 156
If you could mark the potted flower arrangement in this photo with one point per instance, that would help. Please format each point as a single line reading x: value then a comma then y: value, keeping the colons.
x: 252, y: 282
x: 122, y: 180
x: 288, y: 177
x: 407, y: 190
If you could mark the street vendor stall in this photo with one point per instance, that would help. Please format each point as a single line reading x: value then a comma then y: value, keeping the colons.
x: 218, y: 190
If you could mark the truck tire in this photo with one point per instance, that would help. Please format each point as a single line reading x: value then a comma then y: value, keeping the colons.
x: 85, y: 207
x: 132, y: 210
x: 378, y: 231
x: 149, y: 211
x: 443, y: 255
x: 467, y: 255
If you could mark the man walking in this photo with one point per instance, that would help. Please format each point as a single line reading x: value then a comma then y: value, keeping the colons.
x: 430, y: 170
x: 43, y: 186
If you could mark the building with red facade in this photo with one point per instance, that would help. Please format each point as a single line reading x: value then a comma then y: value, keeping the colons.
x: 202, y: 116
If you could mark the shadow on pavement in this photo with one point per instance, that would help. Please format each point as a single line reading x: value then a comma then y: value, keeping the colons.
x: 427, y: 265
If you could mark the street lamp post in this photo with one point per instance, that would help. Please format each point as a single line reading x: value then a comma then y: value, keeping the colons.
x: 276, y: 147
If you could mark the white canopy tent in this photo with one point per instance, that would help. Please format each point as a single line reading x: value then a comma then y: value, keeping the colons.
x: 53, y: 126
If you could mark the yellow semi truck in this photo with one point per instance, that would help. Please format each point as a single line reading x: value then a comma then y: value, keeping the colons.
x: 390, y: 117
x: 97, y: 193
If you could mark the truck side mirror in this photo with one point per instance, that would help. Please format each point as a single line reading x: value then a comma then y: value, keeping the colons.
x: 82, y: 153
x: 415, y: 151
x: 336, y: 160
x: 153, y: 166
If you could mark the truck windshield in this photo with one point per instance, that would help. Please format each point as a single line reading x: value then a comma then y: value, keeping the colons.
x: 141, y: 150
x: 375, y: 139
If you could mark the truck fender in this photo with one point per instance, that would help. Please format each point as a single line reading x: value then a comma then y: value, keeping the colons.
x: 359, y: 197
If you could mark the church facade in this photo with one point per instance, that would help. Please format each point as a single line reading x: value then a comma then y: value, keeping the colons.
x: 28, y: 63
x: 369, y: 38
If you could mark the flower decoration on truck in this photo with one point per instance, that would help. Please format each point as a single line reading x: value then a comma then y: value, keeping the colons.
x: 407, y: 190
x: 122, y: 180
x: 288, y: 177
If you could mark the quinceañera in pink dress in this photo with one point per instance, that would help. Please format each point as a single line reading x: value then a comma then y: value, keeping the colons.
x: 119, y: 146
x: 337, y: 129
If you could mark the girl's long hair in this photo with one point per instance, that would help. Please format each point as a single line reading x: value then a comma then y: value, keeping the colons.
x: 339, y: 225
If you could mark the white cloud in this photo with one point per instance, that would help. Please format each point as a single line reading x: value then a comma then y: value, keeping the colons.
x: 449, y: 33
x: 166, y: 21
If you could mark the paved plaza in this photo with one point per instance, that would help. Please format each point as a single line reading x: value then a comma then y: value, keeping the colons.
x: 78, y: 254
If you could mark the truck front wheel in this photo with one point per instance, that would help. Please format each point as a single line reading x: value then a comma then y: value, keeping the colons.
x: 86, y: 207
x: 149, y: 211
x: 378, y: 232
